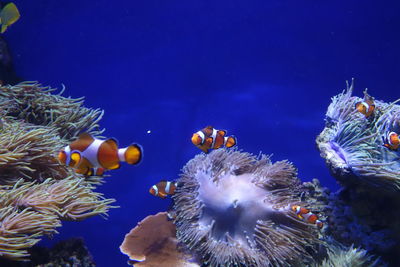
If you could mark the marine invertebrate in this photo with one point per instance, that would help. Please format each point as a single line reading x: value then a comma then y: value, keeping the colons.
x: 37, y: 192
x: 339, y: 256
x: 147, y: 247
x: 352, y: 145
x: 37, y: 104
x: 233, y: 209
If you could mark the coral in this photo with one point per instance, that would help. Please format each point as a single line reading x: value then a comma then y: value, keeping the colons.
x: 351, y: 144
x: 233, y: 209
x: 37, y: 192
x: 149, y: 248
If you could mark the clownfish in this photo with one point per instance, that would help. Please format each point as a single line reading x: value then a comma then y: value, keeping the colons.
x: 163, y: 188
x: 101, y: 154
x: 8, y: 15
x: 306, y: 215
x: 211, y: 138
x: 391, y: 141
x: 366, y: 107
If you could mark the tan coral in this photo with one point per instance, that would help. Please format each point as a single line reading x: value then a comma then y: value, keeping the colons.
x: 152, y: 243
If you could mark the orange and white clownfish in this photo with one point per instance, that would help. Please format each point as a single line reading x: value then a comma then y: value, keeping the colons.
x: 306, y: 215
x: 391, y: 141
x: 211, y: 138
x: 96, y: 153
x: 163, y: 188
x: 366, y: 107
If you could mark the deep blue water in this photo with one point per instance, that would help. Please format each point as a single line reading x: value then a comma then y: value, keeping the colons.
x: 263, y: 70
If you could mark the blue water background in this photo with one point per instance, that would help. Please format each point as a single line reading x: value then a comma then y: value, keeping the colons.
x: 263, y: 70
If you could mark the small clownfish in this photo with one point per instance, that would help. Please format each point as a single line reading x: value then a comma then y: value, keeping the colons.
x: 366, y: 107
x: 391, y: 141
x: 210, y: 138
x: 96, y: 153
x: 306, y: 215
x: 8, y: 15
x: 163, y: 188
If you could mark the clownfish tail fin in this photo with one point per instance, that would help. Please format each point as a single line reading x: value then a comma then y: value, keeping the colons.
x: 231, y: 141
x: 133, y: 154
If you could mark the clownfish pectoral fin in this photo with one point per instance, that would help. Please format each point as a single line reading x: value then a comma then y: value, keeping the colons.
x: 114, y: 167
x: 133, y: 154
x: 86, y: 136
x: 75, y: 158
x: 386, y: 145
x: 208, y: 141
x: 231, y: 141
x: 205, y: 150
x: 62, y: 157
x: 221, y: 132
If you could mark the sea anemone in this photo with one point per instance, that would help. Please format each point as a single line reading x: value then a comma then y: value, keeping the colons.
x: 233, y: 209
x: 352, y: 144
x: 339, y: 256
x: 37, y: 192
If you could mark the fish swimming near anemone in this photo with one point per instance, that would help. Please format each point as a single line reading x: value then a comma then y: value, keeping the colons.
x: 391, y: 141
x: 100, y: 154
x: 367, y: 106
x: 163, y: 189
x: 307, y: 216
x: 8, y: 16
x: 211, y: 138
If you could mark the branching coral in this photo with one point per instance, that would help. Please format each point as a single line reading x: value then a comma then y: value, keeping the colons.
x: 352, y: 144
x: 36, y: 191
x: 233, y: 209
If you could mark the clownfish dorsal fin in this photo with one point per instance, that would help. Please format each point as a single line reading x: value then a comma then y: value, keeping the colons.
x: 86, y: 136
x: 222, y: 132
x: 113, y: 143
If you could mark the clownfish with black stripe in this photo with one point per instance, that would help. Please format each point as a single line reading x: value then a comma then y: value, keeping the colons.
x: 90, y: 155
x: 366, y: 107
x: 391, y: 141
x: 306, y: 215
x: 211, y: 138
x: 163, y: 188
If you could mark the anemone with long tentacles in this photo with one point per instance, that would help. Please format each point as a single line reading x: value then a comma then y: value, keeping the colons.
x: 36, y: 190
x: 233, y: 209
x: 352, y: 145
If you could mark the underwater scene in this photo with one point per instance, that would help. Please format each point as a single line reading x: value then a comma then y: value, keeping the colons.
x: 199, y: 133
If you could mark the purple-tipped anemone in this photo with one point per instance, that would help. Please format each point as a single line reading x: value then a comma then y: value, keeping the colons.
x: 352, y: 144
x: 233, y: 209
